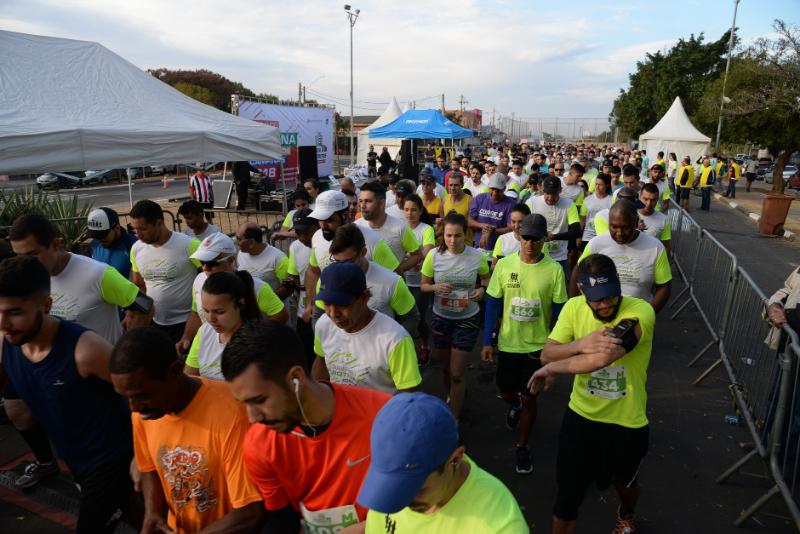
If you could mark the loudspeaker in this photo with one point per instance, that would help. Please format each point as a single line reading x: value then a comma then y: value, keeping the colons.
x: 307, y: 160
x: 408, y: 168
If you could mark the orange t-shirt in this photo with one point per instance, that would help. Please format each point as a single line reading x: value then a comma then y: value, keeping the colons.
x: 319, y: 476
x: 198, y: 456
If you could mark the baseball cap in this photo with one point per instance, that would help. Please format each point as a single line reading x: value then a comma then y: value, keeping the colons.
x: 599, y: 286
x: 630, y: 195
x: 100, y: 221
x: 328, y: 203
x: 404, y: 187
x: 412, y: 435
x: 552, y: 184
x: 497, y: 181
x: 301, y: 218
x: 534, y: 225
x: 214, y: 246
x: 341, y: 283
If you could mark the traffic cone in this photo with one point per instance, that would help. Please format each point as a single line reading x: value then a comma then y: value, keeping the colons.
x: 165, y: 182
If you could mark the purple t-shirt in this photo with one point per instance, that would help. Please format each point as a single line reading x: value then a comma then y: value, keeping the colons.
x: 485, y: 210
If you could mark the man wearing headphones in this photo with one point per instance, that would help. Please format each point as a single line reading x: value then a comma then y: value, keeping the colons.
x: 309, y: 449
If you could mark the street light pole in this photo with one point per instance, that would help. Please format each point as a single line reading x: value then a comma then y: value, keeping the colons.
x: 351, y: 16
x: 725, y: 79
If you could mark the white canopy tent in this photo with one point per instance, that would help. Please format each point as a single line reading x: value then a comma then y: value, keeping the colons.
x: 75, y: 105
x: 674, y: 133
x: 391, y: 112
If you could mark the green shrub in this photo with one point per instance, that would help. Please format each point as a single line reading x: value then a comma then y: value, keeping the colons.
x: 68, y: 216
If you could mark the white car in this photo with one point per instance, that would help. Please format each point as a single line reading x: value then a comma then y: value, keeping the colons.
x: 788, y: 171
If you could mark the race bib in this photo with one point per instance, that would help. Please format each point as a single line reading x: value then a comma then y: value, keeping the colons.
x: 328, y: 521
x: 608, y: 382
x: 552, y: 246
x: 525, y: 310
x: 456, y: 301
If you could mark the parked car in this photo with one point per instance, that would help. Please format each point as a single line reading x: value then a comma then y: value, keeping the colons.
x: 97, y: 177
x: 50, y: 180
x: 794, y: 181
x: 788, y: 171
x: 156, y: 170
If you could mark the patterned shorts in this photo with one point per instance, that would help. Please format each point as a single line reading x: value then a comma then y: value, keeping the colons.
x: 460, y: 334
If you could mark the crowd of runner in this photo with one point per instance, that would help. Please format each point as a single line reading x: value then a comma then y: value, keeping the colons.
x: 242, y: 390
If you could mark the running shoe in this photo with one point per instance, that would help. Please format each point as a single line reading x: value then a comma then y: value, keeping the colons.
x: 512, y: 417
x: 34, y: 473
x: 524, y: 464
x: 625, y: 525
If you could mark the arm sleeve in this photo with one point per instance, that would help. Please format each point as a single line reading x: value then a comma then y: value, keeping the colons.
x: 116, y: 289
x: 282, y: 270
x: 560, y: 287
x: 194, y: 244
x: 312, y: 259
x: 383, y: 256
x: 493, y: 307
x: 429, y: 237
x: 572, y: 214
x: 241, y: 489
x: 662, y: 273
x: 402, y: 300
x: 193, y: 359
x: 600, y: 224
x: 583, y: 211
x: 573, y: 232
x: 194, y: 301
x: 410, y: 243
x: 403, y: 364
x: 473, y: 209
x: 427, y: 265
x: 268, y: 301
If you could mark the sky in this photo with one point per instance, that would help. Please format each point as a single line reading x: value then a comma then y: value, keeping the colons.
x: 532, y: 58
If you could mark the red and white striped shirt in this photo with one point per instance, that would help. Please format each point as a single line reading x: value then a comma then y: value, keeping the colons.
x: 200, y: 186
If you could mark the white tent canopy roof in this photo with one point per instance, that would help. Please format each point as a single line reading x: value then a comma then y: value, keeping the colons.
x: 391, y: 112
x: 75, y: 105
x: 675, y: 126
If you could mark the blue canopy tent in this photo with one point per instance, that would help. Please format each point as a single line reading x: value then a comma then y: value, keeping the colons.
x: 421, y: 124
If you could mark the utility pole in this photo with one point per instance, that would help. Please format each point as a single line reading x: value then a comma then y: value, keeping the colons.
x: 462, y: 102
x: 442, y: 102
x: 304, y: 94
x: 725, y: 79
x: 352, y: 16
x: 299, y: 92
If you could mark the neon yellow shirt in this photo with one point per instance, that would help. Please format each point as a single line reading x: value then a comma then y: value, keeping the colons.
x: 528, y: 291
x: 482, y: 505
x: 615, y: 394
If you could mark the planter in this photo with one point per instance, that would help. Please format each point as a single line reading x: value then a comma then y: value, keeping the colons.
x: 774, y: 209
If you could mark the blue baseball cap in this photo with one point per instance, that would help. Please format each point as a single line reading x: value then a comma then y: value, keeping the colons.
x: 412, y: 435
x: 599, y: 286
x: 341, y: 283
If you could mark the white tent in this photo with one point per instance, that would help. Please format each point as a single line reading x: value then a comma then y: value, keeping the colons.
x: 70, y: 105
x: 674, y: 133
x: 391, y: 112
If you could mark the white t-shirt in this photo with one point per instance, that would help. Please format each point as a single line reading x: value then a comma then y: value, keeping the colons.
x: 300, y: 254
x: 83, y: 292
x: 654, y: 223
x: 168, y: 274
x: 391, y: 199
x: 571, y: 192
x: 635, y: 261
x: 557, y: 222
x: 459, y: 270
x: 207, y: 348
x: 322, y: 247
x: 508, y: 244
x: 396, y: 211
x: 412, y: 276
x: 210, y: 229
x: 476, y: 189
x: 392, y: 232
x: 381, y: 283
x: 522, y: 181
x: 593, y: 206
x: 197, y: 291
x: 373, y: 357
x: 270, y: 265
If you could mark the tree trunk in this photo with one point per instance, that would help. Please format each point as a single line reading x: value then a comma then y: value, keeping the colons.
x: 777, y: 171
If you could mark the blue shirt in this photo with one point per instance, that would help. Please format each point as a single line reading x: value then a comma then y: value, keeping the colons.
x: 440, y: 173
x: 118, y: 256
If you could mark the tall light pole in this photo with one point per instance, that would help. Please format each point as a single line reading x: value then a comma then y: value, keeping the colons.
x: 723, y: 98
x: 352, y: 16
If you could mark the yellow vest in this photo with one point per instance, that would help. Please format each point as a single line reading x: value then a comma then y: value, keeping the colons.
x: 705, y: 173
x: 688, y: 181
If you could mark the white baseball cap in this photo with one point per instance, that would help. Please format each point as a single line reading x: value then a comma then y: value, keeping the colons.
x: 497, y: 181
x: 214, y: 246
x: 328, y: 203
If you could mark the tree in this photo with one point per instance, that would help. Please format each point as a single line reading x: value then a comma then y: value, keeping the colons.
x: 218, y: 86
x: 684, y: 70
x: 201, y: 94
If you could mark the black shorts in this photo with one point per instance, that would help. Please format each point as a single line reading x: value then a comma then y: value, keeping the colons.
x: 105, y: 494
x: 683, y: 193
x: 588, y: 452
x: 515, y: 369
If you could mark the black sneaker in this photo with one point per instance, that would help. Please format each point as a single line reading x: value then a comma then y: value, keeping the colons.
x: 34, y: 473
x: 512, y: 417
x: 524, y: 464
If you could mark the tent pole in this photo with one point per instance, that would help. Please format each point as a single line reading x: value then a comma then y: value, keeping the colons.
x: 130, y: 191
x: 283, y: 182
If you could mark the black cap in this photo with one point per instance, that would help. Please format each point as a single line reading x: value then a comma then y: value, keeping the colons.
x: 301, y: 219
x: 552, y: 184
x: 630, y: 195
x: 404, y: 187
x: 534, y: 226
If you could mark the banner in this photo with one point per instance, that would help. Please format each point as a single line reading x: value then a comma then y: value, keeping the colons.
x: 299, y: 126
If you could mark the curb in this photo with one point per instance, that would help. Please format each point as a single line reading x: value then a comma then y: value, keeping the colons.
x: 787, y: 234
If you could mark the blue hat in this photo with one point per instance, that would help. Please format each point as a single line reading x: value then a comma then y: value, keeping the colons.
x: 341, y: 283
x: 599, y: 286
x: 412, y: 435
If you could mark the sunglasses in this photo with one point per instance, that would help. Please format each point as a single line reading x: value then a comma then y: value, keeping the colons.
x: 212, y: 263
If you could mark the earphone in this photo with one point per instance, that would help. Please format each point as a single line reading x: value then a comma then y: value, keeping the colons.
x: 296, y: 382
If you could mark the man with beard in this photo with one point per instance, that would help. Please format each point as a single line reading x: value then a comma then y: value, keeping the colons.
x: 604, y: 432
x: 60, y: 370
x: 296, y: 419
x: 187, y: 436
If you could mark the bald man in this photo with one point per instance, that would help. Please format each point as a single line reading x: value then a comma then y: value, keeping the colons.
x: 347, y: 184
x: 641, y: 259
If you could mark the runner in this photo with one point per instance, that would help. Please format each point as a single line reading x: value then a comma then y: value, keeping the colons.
x: 684, y: 183
x: 509, y: 243
x: 563, y: 222
x: 194, y: 217
x: 402, y: 190
x: 630, y: 179
x: 111, y: 243
x: 450, y: 272
x: 263, y: 261
x: 187, y: 433
x: 640, y: 258
x: 604, y: 433
x: 456, y: 200
x: 161, y: 266
x: 657, y: 179
x: 300, y: 200
x: 427, y: 192
x: 296, y: 419
x: 592, y: 205
x: 477, y: 183
x: 489, y: 215
x: 299, y: 255
x: 653, y: 222
x: 394, y: 232
x: 88, y: 423
x: 419, y: 222
x: 357, y: 345
x: 421, y: 480
x: 529, y: 289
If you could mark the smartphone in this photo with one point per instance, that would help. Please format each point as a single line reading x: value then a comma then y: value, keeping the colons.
x: 626, y: 331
